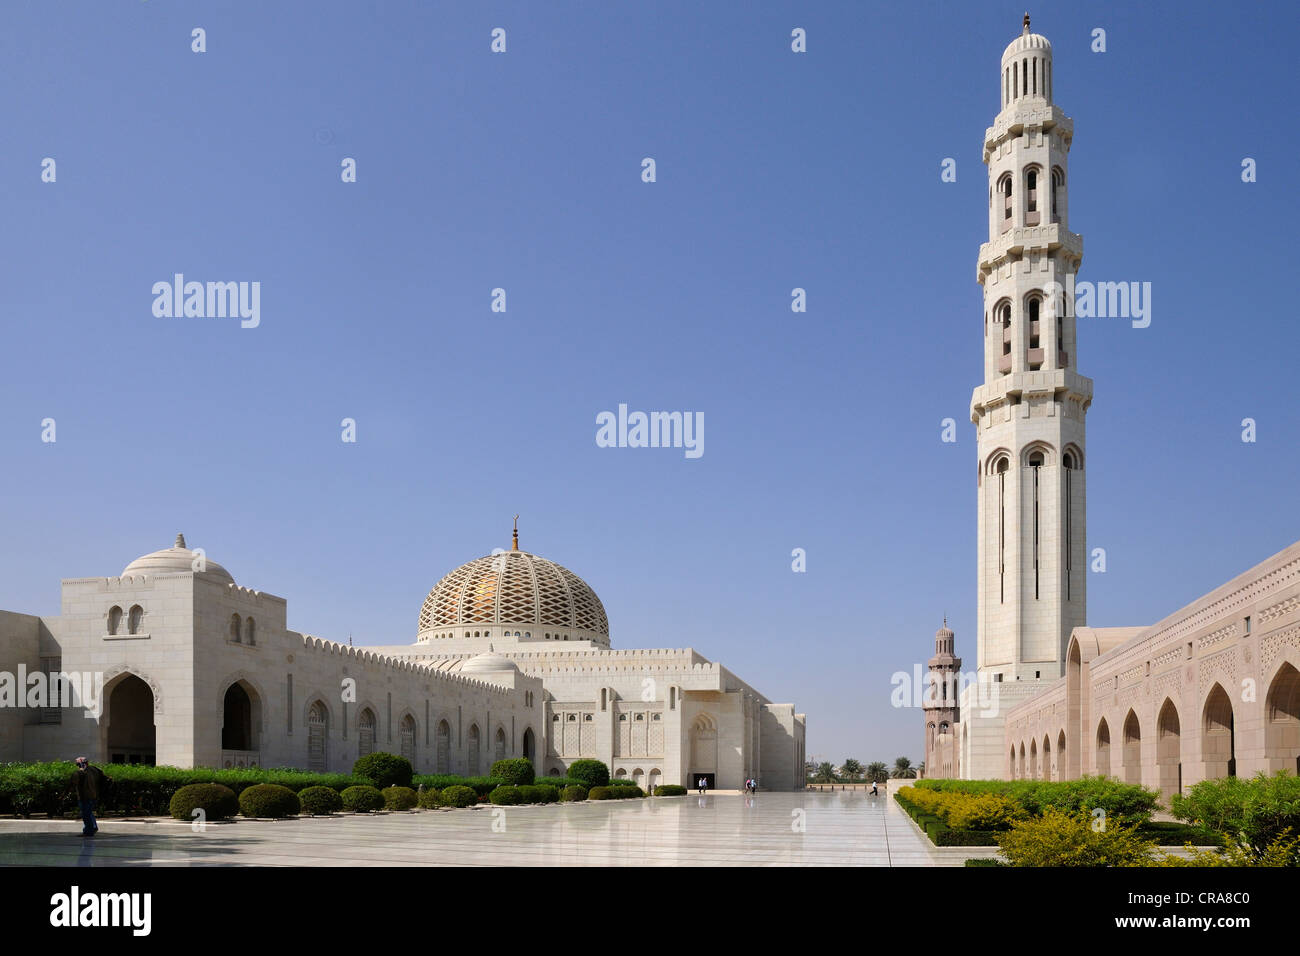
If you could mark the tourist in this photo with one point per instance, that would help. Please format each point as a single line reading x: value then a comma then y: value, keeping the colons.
x: 90, y: 784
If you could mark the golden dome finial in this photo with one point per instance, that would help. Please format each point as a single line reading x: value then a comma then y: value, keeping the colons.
x: 514, y: 544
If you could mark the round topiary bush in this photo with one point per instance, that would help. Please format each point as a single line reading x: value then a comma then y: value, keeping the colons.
x: 362, y: 799
x: 507, y: 796
x: 629, y: 792
x: 459, y: 796
x: 573, y: 794
x: 215, y: 800
x: 384, y: 770
x: 592, y: 773
x: 429, y: 799
x: 514, y: 770
x: 269, y: 800
x: 670, y: 790
x: 546, y: 793
x: 601, y: 793
x: 399, y: 798
x: 320, y: 801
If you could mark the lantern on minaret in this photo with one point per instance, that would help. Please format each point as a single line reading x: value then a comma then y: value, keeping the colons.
x: 940, y: 706
x: 1029, y: 411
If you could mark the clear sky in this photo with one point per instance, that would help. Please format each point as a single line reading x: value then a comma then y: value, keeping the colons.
x: 522, y: 171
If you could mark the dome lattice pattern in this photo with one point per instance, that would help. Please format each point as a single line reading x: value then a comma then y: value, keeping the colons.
x: 514, y: 588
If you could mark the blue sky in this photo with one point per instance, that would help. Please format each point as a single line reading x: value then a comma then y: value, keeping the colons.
x: 522, y: 171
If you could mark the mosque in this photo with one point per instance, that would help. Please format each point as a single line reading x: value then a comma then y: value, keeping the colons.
x: 1213, y: 689
x: 512, y: 658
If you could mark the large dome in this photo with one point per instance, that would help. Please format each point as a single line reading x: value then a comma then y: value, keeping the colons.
x: 177, y: 558
x: 514, y: 589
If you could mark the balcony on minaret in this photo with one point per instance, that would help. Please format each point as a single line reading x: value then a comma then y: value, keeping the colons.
x: 1004, y: 364
x: 1034, y: 359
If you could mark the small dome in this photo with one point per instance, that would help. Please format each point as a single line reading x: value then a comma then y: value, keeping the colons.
x: 489, y: 663
x: 176, y: 559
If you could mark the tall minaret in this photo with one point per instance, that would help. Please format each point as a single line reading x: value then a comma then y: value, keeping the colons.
x: 1029, y: 413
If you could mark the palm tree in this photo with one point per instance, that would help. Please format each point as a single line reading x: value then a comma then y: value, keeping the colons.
x: 903, y: 768
x: 877, y: 772
x: 825, y: 773
x: 851, y: 769
x: 920, y: 769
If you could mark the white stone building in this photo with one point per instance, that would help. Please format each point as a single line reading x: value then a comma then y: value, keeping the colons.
x: 512, y: 658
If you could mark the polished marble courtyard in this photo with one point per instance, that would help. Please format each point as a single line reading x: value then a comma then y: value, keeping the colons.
x: 768, y: 829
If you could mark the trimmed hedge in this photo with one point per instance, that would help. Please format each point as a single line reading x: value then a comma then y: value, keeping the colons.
x: 573, y: 794
x: 269, y: 800
x: 28, y: 788
x: 362, y: 799
x: 215, y: 800
x: 670, y: 790
x: 320, y: 801
x: 589, y: 773
x: 481, y: 786
x: 517, y: 771
x: 459, y: 796
x: 399, y: 798
x: 1124, y: 803
x: 384, y: 770
x: 614, y: 793
x: 429, y: 798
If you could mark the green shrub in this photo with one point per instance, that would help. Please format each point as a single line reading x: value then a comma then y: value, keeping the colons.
x: 1254, y: 815
x: 429, y: 798
x: 621, y: 782
x: 363, y: 799
x: 506, y: 795
x: 573, y: 794
x: 513, y: 770
x: 601, y: 793
x: 216, y: 801
x: 1124, y: 803
x: 590, y: 773
x: 459, y: 796
x: 670, y: 790
x: 399, y: 798
x: 1059, y: 838
x: 320, y: 801
x: 559, y: 783
x: 269, y: 800
x: 384, y: 770
x: 991, y: 861
x: 481, y: 786
x: 546, y: 793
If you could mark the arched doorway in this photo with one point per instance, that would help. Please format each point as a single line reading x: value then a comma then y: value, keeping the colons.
x: 442, y: 760
x: 1049, y: 771
x: 1282, y: 721
x: 1169, y: 768
x: 408, y: 738
x: 656, y: 778
x: 130, y: 736
x: 1218, y: 735
x: 530, y: 749
x: 1061, y: 764
x: 241, y: 718
x: 1103, y: 748
x: 500, y: 751
x: 365, y: 732
x: 1132, y: 749
x: 704, y: 750
x: 1024, y: 767
x: 318, y: 737
x: 472, y: 764
x: 1033, y: 760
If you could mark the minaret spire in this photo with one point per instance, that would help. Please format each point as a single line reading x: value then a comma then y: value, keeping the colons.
x: 1026, y: 29
x: 514, y: 543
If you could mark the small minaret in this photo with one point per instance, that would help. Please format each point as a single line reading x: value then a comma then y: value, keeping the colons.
x: 940, y: 707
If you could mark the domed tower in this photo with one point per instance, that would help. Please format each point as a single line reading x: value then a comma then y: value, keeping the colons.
x: 940, y: 706
x: 1029, y: 412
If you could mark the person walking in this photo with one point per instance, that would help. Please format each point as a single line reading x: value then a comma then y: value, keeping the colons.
x: 90, y: 784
